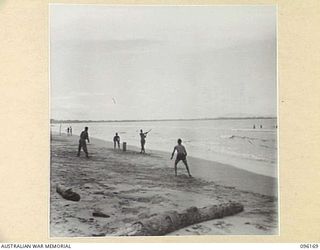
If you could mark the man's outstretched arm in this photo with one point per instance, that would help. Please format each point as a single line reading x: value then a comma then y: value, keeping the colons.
x: 173, y: 153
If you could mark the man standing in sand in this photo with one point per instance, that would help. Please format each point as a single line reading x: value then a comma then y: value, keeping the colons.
x: 143, y: 140
x: 181, y: 156
x: 116, y: 140
x: 82, y: 142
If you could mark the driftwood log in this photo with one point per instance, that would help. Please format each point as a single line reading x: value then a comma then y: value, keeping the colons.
x: 100, y: 214
x: 172, y: 220
x: 67, y: 193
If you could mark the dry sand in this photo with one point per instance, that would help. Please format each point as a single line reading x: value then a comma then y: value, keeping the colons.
x: 128, y: 187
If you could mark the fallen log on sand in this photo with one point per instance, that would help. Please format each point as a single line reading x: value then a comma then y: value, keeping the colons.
x: 67, y: 194
x: 172, y: 220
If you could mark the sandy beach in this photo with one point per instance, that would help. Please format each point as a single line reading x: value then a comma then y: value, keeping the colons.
x: 127, y: 187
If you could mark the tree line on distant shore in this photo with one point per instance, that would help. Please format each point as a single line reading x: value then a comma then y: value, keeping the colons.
x: 190, y: 119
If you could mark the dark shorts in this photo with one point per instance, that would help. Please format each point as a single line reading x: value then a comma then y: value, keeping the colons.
x: 180, y: 157
x: 83, y: 145
x: 82, y: 142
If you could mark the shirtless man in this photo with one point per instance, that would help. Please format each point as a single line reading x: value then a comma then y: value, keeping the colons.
x: 116, y: 140
x: 143, y: 136
x: 181, y: 156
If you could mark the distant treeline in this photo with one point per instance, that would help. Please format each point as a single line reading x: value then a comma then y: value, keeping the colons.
x: 195, y: 119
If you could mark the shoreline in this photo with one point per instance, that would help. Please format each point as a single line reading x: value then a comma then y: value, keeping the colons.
x: 249, y: 166
x: 129, y: 187
x: 250, y: 159
x: 224, y: 174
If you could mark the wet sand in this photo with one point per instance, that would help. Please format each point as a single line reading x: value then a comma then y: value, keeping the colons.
x: 128, y: 187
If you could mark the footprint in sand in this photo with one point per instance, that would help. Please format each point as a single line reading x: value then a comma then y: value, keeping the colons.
x: 130, y: 210
x: 261, y: 227
x: 193, y: 232
x: 198, y: 229
x: 222, y: 225
x: 124, y: 202
x: 142, y: 199
x: 99, y: 192
x: 83, y: 220
x: 143, y: 215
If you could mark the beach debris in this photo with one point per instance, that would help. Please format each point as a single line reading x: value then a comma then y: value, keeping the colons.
x: 100, y: 214
x: 99, y: 192
x: 261, y: 227
x: 98, y: 234
x: 170, y: 221
x: 67, y: 193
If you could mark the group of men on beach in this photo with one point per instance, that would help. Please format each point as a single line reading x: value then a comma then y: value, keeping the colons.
x: 116, y: 141
x: 181, y: 150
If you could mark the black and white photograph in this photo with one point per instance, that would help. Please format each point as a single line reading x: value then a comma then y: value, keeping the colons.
x: 163, y: 120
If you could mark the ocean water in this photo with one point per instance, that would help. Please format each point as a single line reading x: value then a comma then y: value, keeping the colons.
x: 227, y: 141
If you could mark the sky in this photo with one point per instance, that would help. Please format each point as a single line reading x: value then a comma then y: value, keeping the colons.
x: 162, y: 62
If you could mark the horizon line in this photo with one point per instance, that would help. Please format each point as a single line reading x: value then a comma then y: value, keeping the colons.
x: 173, y: 119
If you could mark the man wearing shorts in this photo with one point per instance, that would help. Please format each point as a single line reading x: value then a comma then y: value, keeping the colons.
x: 181, y: 156
x: 143, y: 141
x: 82, y: 142
x: 116, y: 140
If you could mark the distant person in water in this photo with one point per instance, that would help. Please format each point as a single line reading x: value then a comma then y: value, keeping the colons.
x: 254, y: 126
x: 82, y: 142
x: 116, y: 140
x: 181, y: 156
x: 143, y: 140
x: 70, y: 130
x: 260, y: 126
